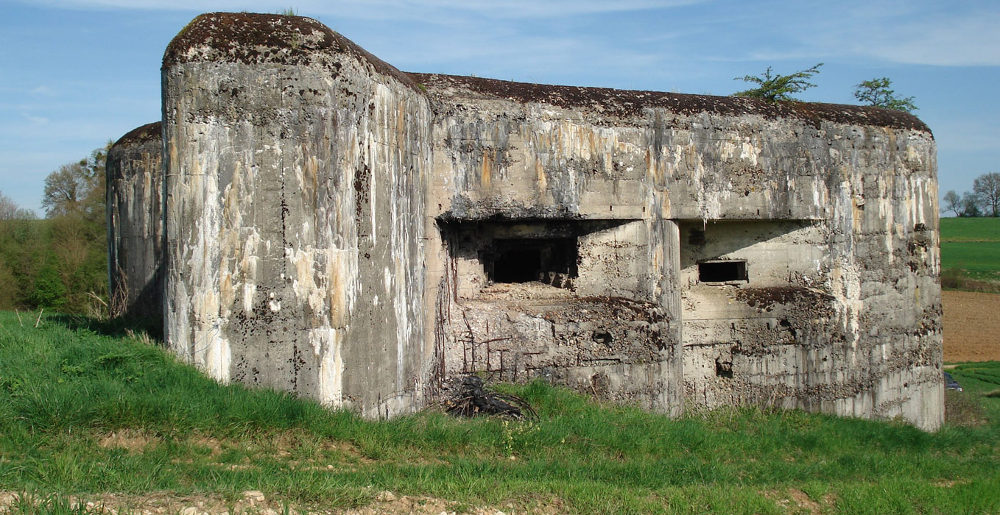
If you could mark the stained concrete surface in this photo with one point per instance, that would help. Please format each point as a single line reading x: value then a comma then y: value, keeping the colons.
x: 349, y: 232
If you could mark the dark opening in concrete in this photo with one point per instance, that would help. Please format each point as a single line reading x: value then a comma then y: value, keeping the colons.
x: 723, y: 368
x: 722, y: 271
x: 603, y: 337
x: 524, y: 260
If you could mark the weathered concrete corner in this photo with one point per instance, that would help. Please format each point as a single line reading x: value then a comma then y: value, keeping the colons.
x: 349, y: 232
x: 134, y: 211
x: 294, y: 166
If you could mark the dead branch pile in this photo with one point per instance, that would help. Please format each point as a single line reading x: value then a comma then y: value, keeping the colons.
x: 470, y: 398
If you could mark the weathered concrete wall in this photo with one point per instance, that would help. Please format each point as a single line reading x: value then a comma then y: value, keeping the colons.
x: 345, y: 231
x: 134, y: 211
x: 840, y: 312
x: 569, y: 326
x: 295, y: 166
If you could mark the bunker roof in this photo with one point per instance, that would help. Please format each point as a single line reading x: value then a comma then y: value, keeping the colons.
x: 265, y: 38
x: 271, y: 38
x: 630, y: 104
x: 148, y: 132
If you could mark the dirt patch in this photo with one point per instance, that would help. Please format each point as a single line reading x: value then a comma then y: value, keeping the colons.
x: 251, y: 501
x: 797, y: 501
x: 971, y: 326
x: 804, y: 502
x: 948, y: 483
x: 214, y: 445
x: 388, y: 502
x: 288, y: 444
x: 128, y: 439
x: 152, y: 503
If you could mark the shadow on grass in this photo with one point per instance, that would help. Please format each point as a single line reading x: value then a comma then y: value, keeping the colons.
x: 117, y: 327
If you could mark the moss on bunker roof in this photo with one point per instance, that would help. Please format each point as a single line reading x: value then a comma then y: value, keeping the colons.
x: 295, y: 40
x: 631, y: 104
x: 139, y: 135
x: 265, y: 38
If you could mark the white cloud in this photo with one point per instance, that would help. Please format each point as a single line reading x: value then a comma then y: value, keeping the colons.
x: 36, y: 120
x: 514, y: 55
x: 42, y: 91
x: 969, y: 40
x: 922, y: 33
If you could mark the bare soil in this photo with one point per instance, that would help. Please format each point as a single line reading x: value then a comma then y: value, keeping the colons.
x: 254, y: 502
x: 971, y: 326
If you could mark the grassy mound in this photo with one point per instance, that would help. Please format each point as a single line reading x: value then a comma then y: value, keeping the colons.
x: 91, y: 412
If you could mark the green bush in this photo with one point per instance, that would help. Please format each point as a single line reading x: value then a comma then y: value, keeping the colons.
x: 49, y: 291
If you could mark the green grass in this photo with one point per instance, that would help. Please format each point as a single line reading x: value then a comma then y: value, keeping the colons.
x: 970, y: 229
x: 71, y: 386
x: 980, y: 378
x: 970, y: 253
x: 980, y: 260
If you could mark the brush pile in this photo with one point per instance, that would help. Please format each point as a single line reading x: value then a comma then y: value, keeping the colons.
x: 469, y: 397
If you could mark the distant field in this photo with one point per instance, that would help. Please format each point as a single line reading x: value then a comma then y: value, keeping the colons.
x: 979, y: 377
x: 980, y: 260
x: 970, y: 229
x: 971, y: 326
x: 970, y: 250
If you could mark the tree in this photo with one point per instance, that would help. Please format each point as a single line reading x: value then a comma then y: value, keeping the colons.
x: 778, y: 87
x: 64, y: 188
x: 879, y: 93
x: 987, y: 188
x: 71, y: 269
x: 953, y: 203
x: 970, y: 205
x: 77, y: 188
x: 14, y: 230
x: 9, y: 210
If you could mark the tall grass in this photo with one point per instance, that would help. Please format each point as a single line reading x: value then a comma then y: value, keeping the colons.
x: 85, y: 410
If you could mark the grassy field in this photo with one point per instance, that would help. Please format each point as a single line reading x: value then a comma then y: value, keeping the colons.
x: 970, y: 229
x: 983, y: 378
x: 87, y: 413
x: 970, y: 253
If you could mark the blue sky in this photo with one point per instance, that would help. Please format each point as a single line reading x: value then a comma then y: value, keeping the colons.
x: 77, y: 73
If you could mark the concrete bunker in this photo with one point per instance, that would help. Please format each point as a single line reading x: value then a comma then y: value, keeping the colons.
x: 134, y: 211
x: 346, y: 231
